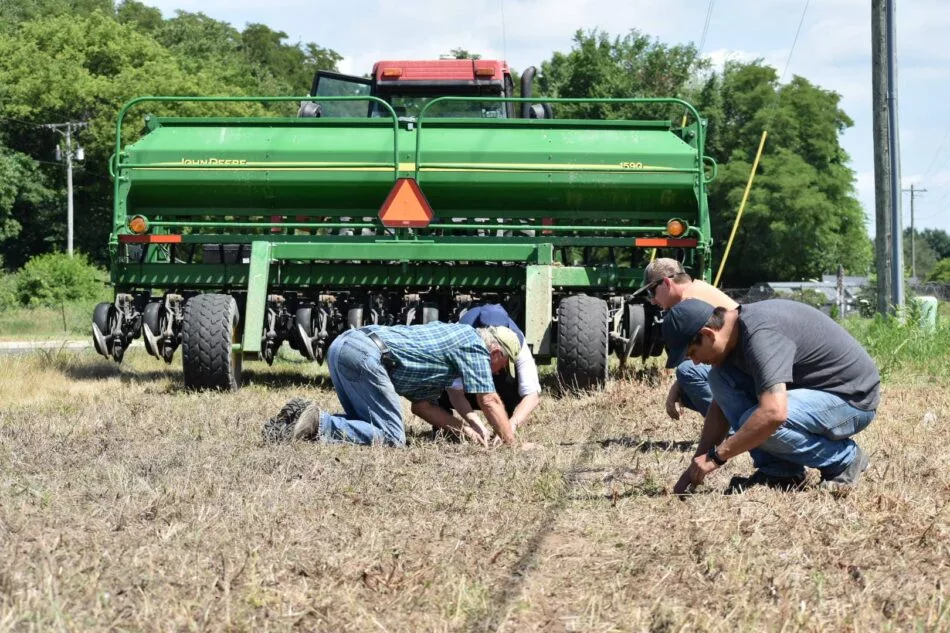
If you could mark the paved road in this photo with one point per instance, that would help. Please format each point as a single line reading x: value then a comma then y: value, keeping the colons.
x: 25, y: 347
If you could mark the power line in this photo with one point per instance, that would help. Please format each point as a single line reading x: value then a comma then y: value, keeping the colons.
x: 709, y: 12
x: 794, y: 41
x: 773, y: 105
x: 929, y: 171
x: 9, y: 120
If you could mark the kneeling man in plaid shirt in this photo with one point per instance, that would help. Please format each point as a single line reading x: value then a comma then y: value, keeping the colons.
x: 373, y: 366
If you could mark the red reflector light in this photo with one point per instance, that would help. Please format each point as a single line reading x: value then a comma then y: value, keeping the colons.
x: 150, y: 239
x: 485, y: 72
x: 392, y: 73
x: 665, y: 242
x: 406, y: 206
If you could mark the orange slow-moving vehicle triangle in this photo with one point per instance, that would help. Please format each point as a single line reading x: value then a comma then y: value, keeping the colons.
x: 406, y: 206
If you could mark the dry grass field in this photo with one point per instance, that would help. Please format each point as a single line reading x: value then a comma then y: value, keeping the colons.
x: 128, y: 504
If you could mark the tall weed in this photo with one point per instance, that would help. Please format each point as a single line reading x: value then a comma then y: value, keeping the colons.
x: 902, y: 346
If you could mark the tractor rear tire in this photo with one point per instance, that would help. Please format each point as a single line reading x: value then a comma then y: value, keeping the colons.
x: 582, y: 342
x: 211, y: 325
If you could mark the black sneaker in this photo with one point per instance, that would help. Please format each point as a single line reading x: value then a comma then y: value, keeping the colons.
x: 738, y: 485
x: 280, y: 428
x: 847, y: 478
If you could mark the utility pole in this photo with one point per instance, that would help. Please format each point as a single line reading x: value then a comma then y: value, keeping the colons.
x: 893, y: 137
x: 66, y: 130
x: 913, y: 231
x: 888, y: 233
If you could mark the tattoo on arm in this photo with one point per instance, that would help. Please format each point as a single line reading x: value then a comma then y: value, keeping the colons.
x: 779, y: 388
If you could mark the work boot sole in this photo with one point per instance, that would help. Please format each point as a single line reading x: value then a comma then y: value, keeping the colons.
x: 280, y: 427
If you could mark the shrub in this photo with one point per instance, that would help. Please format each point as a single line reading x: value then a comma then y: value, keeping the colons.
x: 8, y: 294
x: 54, y: 279
x: 941, y: 271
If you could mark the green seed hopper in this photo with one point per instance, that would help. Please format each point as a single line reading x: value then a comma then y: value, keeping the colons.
x: 233, y: 235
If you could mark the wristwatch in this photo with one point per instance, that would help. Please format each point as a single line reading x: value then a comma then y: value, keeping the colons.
x: 713, y: 455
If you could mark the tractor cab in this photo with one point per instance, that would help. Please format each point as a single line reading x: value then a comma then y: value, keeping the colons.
x: 408, y: 86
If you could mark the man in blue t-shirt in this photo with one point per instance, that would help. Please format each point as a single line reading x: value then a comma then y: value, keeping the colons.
x: 792, y: 385
x: 372, y: 366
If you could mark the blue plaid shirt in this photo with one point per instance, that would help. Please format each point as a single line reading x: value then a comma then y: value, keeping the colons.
x: 432, y: 356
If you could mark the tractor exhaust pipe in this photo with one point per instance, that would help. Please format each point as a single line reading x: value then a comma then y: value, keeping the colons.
x: 527, y: 81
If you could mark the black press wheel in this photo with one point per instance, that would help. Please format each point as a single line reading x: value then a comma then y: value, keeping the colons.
x: 105, y: 331
x: 582, y: 342
x: 154, y: 321
x: 210, y: 327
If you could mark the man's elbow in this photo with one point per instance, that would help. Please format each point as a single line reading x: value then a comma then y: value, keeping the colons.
x: 491, y: 398
x: 775, y: 415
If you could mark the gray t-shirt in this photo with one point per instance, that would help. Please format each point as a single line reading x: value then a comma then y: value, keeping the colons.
x: 789, y: 342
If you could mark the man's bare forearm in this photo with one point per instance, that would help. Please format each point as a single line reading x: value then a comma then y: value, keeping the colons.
x: 436, y: 416
x: 462, y: 406
x: 494, y: 410
x: 715, y: 427
x: 764, y: 421
x: 524, y: 409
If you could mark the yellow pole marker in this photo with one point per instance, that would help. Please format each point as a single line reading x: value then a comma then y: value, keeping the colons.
x: 745, y: 197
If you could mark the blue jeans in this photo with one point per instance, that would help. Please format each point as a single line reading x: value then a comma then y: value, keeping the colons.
x: 373, y: 413
x: 693, y: 380
x: 816, y: 432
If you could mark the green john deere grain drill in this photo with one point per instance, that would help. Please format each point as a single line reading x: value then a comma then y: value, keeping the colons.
x: 405, y: 198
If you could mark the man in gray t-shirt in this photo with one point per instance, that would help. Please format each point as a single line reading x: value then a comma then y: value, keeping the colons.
x: 791, y: 384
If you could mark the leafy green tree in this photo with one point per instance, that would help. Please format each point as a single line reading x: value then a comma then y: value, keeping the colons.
x: 622, y: 67
x: 461, y: 53
x: 925, y: 258
x: 939, y: 241
x: 941, y: 272
x: 26, y: 201
x: 143, y: 18
x: 15, y: 12
x: 15, y: 171
x: 83, y: 68
x: 803, y: 217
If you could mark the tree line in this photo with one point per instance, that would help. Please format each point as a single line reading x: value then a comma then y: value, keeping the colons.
x: 80, y: 60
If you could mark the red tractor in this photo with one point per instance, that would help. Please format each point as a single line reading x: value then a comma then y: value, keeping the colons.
x: 409, y: 85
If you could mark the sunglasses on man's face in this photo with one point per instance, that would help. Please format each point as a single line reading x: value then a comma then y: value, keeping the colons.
x: 651, y: 289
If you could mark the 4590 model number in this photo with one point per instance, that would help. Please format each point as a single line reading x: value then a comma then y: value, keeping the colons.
x: 631, y: 165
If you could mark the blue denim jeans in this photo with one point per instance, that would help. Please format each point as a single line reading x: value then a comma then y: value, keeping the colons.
x: 816, y: 433
x: 372, y: 409
x: 693, y: 380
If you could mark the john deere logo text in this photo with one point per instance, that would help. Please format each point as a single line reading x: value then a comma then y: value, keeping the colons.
x: 213, y: 161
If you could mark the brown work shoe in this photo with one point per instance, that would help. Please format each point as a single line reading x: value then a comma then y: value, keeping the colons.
x: 308, y: 424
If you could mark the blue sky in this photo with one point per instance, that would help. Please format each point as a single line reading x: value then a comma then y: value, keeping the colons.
x: 833, y: 51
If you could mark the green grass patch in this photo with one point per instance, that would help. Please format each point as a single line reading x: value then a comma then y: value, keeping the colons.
x: 28, y: 323
x: 904, y: 348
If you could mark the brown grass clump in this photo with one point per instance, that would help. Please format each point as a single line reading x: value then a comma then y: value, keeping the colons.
x: 129, y: 504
